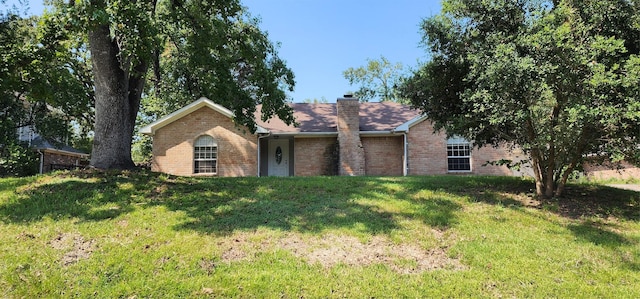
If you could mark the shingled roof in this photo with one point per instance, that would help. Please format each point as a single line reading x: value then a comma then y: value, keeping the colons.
x: 322, y: 118
x: 44, y: 144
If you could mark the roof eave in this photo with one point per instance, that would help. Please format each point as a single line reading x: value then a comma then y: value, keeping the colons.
x: 333, y: 134
x: 184, y: 111
x: 414, y: 121
x: 63, y: 152
x: 380, y: 133
x: 305, y: 134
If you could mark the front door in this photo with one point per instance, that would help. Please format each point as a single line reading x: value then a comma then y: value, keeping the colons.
x: 279, y: 157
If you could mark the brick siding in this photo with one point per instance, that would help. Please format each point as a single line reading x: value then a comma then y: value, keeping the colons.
x: 427, y: 150
x: 351, y: 160
x: 347, y: 154
x: 383, y: 155
x: 623, y: 170
x: 428, y: 154
x: 51, y: 158
x: 315, y: 156
x: 173, y: 145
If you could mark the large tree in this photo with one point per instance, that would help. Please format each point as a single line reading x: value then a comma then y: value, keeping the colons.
x: 40, y: 86
x: 378, y: 79
x: 187, y: 49
x: 559, y: 79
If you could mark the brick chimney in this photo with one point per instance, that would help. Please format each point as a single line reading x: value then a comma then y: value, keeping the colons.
x: 351, y: 160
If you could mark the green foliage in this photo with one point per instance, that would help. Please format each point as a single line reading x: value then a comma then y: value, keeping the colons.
x: 192, y: 49
x: 218, y: 51
x: 41, y: 84
x: 378, y: 80
x: 126, y: 234
x: 141, y: 150
x: 560, y: 80
x: 157, y: 56
x: 322, y: 100
x: 18, y: 160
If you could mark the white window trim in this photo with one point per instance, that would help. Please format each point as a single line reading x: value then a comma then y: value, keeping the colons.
x: 459, y: 141
x: 215, y: 149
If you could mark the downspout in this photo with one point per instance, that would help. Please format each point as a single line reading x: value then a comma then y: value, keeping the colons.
x: 259, y: 162
x: 41, y: 160
x: 405, y: 159
x: 405, y: 162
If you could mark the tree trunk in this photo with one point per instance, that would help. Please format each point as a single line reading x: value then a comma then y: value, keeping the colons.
x: 537, y: 172
x: 563, y: 180
x: 116, y: 106
x: 575, y: 160
x: 550, y: 174
x: 551, y: 161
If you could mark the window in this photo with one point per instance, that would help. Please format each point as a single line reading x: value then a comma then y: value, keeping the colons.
x: 458, y: 155
x: 205, y: 155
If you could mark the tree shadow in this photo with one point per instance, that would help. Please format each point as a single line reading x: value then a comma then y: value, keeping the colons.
x: 599, y: 201
x: 295, y: 204
x: 579, y: 200
x: 437, y: 208
x: 602, y: 234
x: 588, y: 207
x: 88, y: 197
x: 598, y: 234
x: 222, y: 206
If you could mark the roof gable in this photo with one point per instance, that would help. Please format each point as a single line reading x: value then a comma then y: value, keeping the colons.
x: 186, y: 110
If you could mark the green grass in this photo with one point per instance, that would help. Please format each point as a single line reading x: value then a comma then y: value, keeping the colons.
x: 109, y: 235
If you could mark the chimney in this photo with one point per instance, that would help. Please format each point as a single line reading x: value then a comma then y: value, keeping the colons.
x: 351, y: 160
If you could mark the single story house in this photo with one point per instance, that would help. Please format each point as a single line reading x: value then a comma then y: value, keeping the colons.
x: 342, y: 138
x: 52, y: 156
x: 57, y: 157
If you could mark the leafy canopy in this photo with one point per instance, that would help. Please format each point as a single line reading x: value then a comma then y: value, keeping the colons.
x: 378, y: 79
x: 217, y: 50
x: 156, y: 56
x: 561, y: 80
x: 41, y: 88
x: 193, y: 49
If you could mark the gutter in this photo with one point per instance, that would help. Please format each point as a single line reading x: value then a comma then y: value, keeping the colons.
x: 333, y: 134
x: 63, y: 152
x: 307, y: 134
x: 380, y: 133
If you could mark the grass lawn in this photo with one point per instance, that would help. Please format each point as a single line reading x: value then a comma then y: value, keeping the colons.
x: 137, y: 235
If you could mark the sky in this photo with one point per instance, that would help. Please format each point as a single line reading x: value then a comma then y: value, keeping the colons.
x: 319, y: 39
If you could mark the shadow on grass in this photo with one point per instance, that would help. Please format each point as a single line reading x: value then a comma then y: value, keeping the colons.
x: 10, y: 184
x: 597, y: 234
x: 599, y: 201
x: 101, y: 197
x: 579, y: 200
x: 602, y: 234
x: 224, y: 205
x: 297, y: 204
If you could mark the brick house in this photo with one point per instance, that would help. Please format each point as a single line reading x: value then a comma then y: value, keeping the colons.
x: 52, y: 156
x: 342, y: 138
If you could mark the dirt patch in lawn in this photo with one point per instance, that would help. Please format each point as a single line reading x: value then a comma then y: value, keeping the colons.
x: 331, y: 250
x: 75, y: 247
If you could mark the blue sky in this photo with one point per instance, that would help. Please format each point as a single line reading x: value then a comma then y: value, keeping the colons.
x: 321, y: 39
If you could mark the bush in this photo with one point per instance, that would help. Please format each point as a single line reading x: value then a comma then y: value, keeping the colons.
x: 17, y: 159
